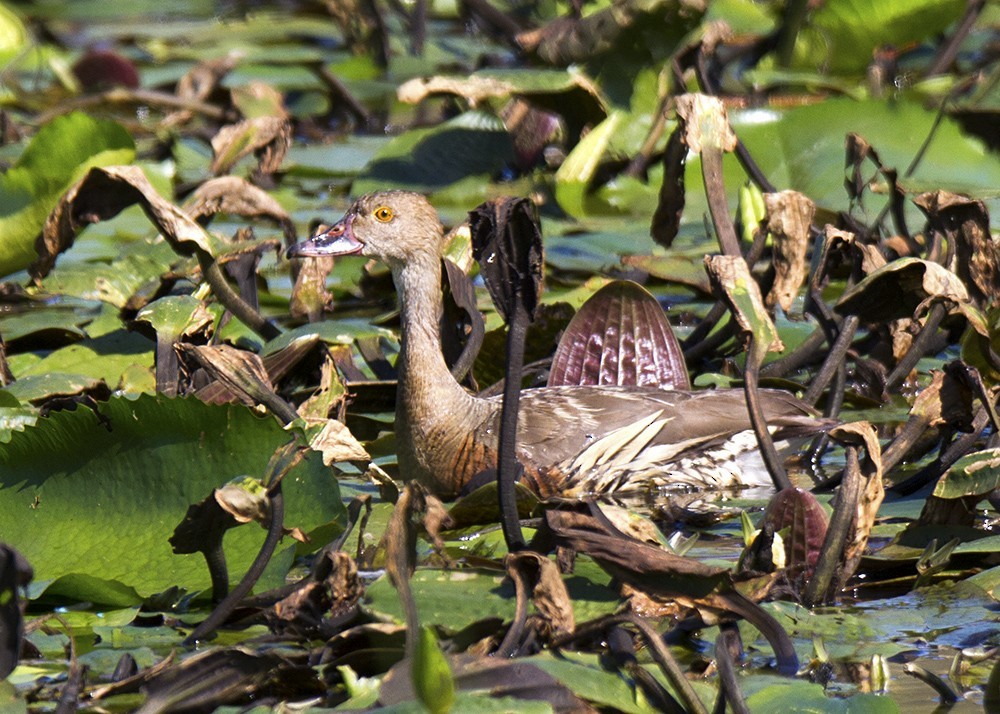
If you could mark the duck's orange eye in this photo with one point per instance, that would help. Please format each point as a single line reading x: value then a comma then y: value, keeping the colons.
x: 383, y: 214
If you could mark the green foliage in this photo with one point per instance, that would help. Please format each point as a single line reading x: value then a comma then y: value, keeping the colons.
x: 91, y: 501
x: 432, y: 678
x: 58, y: 155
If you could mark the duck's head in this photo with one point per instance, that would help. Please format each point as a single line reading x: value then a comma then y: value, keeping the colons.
x: 391, y: 226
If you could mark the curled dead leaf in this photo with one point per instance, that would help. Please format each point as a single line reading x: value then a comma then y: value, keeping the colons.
x: 732, y: 282
x: 789, y: 219
x: 103, y: 193
x: 706, y: 123
x: 237, y: 196
x: 267, y: 136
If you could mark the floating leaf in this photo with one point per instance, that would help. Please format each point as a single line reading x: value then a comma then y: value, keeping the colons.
x: 975, y: 474
x: 100, y: 525
x: 57, y: 155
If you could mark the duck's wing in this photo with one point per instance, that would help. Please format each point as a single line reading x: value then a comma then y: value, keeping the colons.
x: 603, y: 436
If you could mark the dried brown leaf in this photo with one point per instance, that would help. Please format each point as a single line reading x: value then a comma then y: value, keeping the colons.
x: 864, y: 435
x: 706, y: 124
x: 966, y: 223
x: 670, y: 206
x: 732, y: 282
x: 240, y: 371
x: 548, y: 590
x: 103, y: 193
x: 789, y: 217
x: 239, y: 197
x: 268, y: 136
x: 337, y: 444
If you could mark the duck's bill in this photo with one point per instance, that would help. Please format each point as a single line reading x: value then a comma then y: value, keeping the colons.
x: 338, y: 239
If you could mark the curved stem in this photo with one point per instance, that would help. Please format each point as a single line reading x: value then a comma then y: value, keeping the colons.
x: 226, y: 607
x: 513, y: 636
x: 231, y: 300
x: 917, y: 348
x: 836, y: 534
x: 764, y: 440
x: 215, y: 558
x: 508, y: 468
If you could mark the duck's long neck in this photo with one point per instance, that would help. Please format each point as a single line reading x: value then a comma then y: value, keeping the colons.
x: 432, y: 409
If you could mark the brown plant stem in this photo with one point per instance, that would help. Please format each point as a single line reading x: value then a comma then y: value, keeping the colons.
x: 231, y: 300
x: 508, y: 467
x: 729, y: 686
x: 718, y: 205
x: 751, y: 379
x: 917, y: 348
x: 802, y: 355
x: 668, y: 665
x: 149, y: 97
x: 818, y: 588
x: 834, y: 360
x: 229, y: 603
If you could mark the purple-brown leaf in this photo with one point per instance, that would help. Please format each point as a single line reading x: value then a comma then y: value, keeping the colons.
x: 620, y: 336
x: 806, y: 521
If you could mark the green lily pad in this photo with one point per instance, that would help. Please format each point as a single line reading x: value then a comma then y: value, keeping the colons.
x: 60, y: 153
x: 975, y: 474
x: 471, y: 144
x: 91, y: 503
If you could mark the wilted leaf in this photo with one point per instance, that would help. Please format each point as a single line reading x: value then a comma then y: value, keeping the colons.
x: 898, y: 289
x: 507, y: 243
x: 269, y: 137
x: 620, y: 336
x: 670, y: 206
x: 336, y: 443
x: 789, y: 216
x: 966, y: 223
x: 238, y: 197
x: 57, y: 155
x: 240, y: 371
x: 548, y: 591
x: 733, y: 283
x: 568, y: 92
x: 706, y: 124
x: 103, y: 193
